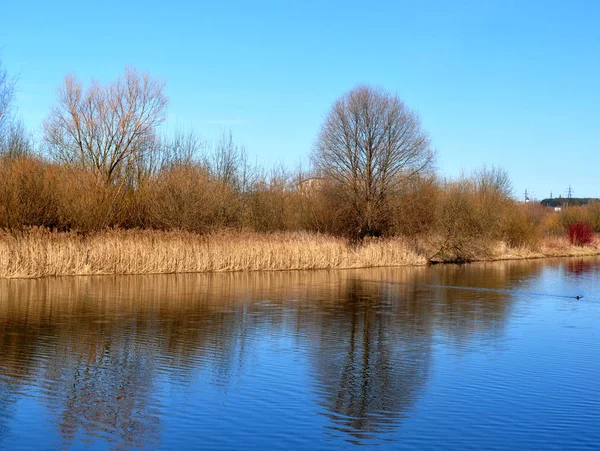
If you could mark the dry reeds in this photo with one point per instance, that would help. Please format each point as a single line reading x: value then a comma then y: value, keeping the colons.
x: 38, y: 253
x: 549, y: 246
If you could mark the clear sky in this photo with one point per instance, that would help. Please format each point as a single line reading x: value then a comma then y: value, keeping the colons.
x: 509, y: 83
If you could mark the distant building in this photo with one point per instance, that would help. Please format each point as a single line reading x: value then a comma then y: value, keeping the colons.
x: 310, y: 184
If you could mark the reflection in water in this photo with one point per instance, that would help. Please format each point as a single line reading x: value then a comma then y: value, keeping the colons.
x: 96, y: 352
x: 373, y: 343
x: 369, y: 361
x: 580, y: 266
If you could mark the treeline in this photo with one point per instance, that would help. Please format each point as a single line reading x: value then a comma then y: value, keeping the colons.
x: 571, y: 202
x: 102, y: 164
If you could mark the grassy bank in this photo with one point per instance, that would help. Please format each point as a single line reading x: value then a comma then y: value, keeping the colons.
x: 40, y: 253
x: 548, y: 247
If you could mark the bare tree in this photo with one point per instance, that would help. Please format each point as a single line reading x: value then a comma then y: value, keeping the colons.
x: 369, y: 144
x: 7, y: 92
x: 106, y: 127
x: 180, y: 149
x: 228, y: 162
x: 493, y: 180
x: 15, y: 141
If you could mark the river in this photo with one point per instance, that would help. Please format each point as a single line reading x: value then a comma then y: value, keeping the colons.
x: 482, y: 356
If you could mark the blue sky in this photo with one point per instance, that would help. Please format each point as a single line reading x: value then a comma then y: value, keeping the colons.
x: 509, y: 83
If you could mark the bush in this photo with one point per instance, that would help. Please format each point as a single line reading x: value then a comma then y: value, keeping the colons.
x: 27, y: 195
x: 571, y: 215
x: 552, y: 225
x: 521, y: 225
x: 188, y: 198
x: 580, y: 234
x: 593, y: 216
x: 467, y: 222
x: 414, y: 210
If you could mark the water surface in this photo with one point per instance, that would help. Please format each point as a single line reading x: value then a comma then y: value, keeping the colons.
x: 399, y: 358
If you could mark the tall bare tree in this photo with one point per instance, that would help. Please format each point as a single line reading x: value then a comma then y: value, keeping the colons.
x: 15, y: 141
x: 493, y: 180
x: 106, y: 127
x: 7, y: 92
x: 369, y: 144
x: 228, y: 162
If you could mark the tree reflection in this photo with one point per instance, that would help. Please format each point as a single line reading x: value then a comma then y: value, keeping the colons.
x: 369, y: 362
x: 372, y: 341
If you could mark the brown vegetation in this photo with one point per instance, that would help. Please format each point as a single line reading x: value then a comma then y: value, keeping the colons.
x: 184, y: 219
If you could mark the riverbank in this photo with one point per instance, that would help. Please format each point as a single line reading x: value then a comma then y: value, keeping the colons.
x: 40, y: 253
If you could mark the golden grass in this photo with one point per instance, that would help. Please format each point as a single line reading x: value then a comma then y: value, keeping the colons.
x: 39, y: 252
x: 551, y: 246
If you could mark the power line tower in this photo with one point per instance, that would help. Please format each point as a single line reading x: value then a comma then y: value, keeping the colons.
x: 526, y: 195
x: 550, y: 194
x: 569, y: 195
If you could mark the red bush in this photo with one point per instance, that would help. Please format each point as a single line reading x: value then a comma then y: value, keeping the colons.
x: 580, y: 234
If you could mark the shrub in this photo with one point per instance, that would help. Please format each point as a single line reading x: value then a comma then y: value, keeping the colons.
x: 521, y: 225
x: 580, y: 234
x: 27, y: 195
x: 552, y: 225
x: 467, y: 223
x: 188, y: 198
x: 593, y: 215
x: 414, y: 210
x: 572, y: 215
